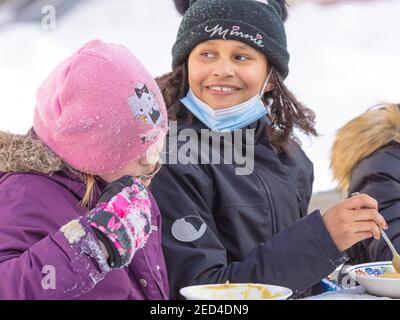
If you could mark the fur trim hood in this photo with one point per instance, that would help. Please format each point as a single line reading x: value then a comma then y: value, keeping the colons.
x: 361, y: 137
x: 25, y: 153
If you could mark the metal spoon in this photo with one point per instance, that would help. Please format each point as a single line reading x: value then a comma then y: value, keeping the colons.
x: 396, y: 256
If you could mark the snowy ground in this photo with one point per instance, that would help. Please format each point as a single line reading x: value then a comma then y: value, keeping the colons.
x: 344, y: 58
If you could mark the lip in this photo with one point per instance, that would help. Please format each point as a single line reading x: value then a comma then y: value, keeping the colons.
x: 153, y: 172
x: 221, y: 93
x: 152, y: 169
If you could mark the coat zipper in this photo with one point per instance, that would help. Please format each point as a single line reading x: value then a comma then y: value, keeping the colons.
x: 268, y: 192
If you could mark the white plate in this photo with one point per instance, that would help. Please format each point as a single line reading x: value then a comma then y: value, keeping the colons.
x: 235, y: 291
x: 366, y: 275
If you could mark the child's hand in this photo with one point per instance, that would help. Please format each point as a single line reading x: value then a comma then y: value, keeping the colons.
x: 353, y: 220
x: 122, y: 219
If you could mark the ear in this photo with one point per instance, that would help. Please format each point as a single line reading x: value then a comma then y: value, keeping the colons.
x: 269, y: 88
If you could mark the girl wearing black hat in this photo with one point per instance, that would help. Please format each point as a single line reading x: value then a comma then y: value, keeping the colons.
x: 235, y: 223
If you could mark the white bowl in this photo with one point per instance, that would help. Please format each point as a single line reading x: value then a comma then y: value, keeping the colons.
x: 366, y: 275
x: 236, y: 291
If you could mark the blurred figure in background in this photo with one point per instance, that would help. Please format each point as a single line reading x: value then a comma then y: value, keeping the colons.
x: 366, y: 158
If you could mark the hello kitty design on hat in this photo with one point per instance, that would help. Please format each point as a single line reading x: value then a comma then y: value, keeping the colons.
x: 144, y: 106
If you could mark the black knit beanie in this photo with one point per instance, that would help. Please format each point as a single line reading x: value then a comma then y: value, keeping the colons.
x: 258, y: 23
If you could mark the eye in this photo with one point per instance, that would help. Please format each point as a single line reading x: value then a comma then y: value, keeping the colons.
x: 241, y: 57
x: 207, y: 55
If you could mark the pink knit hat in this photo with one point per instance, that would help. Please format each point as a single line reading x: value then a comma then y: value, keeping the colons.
x: 100, y: 109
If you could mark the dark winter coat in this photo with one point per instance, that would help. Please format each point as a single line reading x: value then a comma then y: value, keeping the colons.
x: 220, y: 226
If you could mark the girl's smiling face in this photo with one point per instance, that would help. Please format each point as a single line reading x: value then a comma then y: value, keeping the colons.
x: 225, y: 73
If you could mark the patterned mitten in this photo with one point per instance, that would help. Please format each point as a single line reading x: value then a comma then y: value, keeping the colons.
x: 122, y: 219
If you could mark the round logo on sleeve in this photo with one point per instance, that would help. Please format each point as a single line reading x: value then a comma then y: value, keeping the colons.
x: 188, y: 228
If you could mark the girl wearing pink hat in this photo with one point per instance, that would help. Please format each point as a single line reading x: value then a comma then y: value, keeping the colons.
x: 77, y: 219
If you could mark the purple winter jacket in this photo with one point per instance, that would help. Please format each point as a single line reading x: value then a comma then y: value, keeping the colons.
x: 33, y: 207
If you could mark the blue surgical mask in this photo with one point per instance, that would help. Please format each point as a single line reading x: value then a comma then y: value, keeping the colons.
x: 227, y: 119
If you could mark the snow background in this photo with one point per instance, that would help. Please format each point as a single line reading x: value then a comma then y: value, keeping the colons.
x: 344, y: 58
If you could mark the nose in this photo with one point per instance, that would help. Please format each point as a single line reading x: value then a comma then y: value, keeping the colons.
x: 223, y: 67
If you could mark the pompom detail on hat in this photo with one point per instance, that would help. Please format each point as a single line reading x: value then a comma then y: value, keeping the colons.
x: 283, y: 8
x: 280, y: 5
x: 182, y: 6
